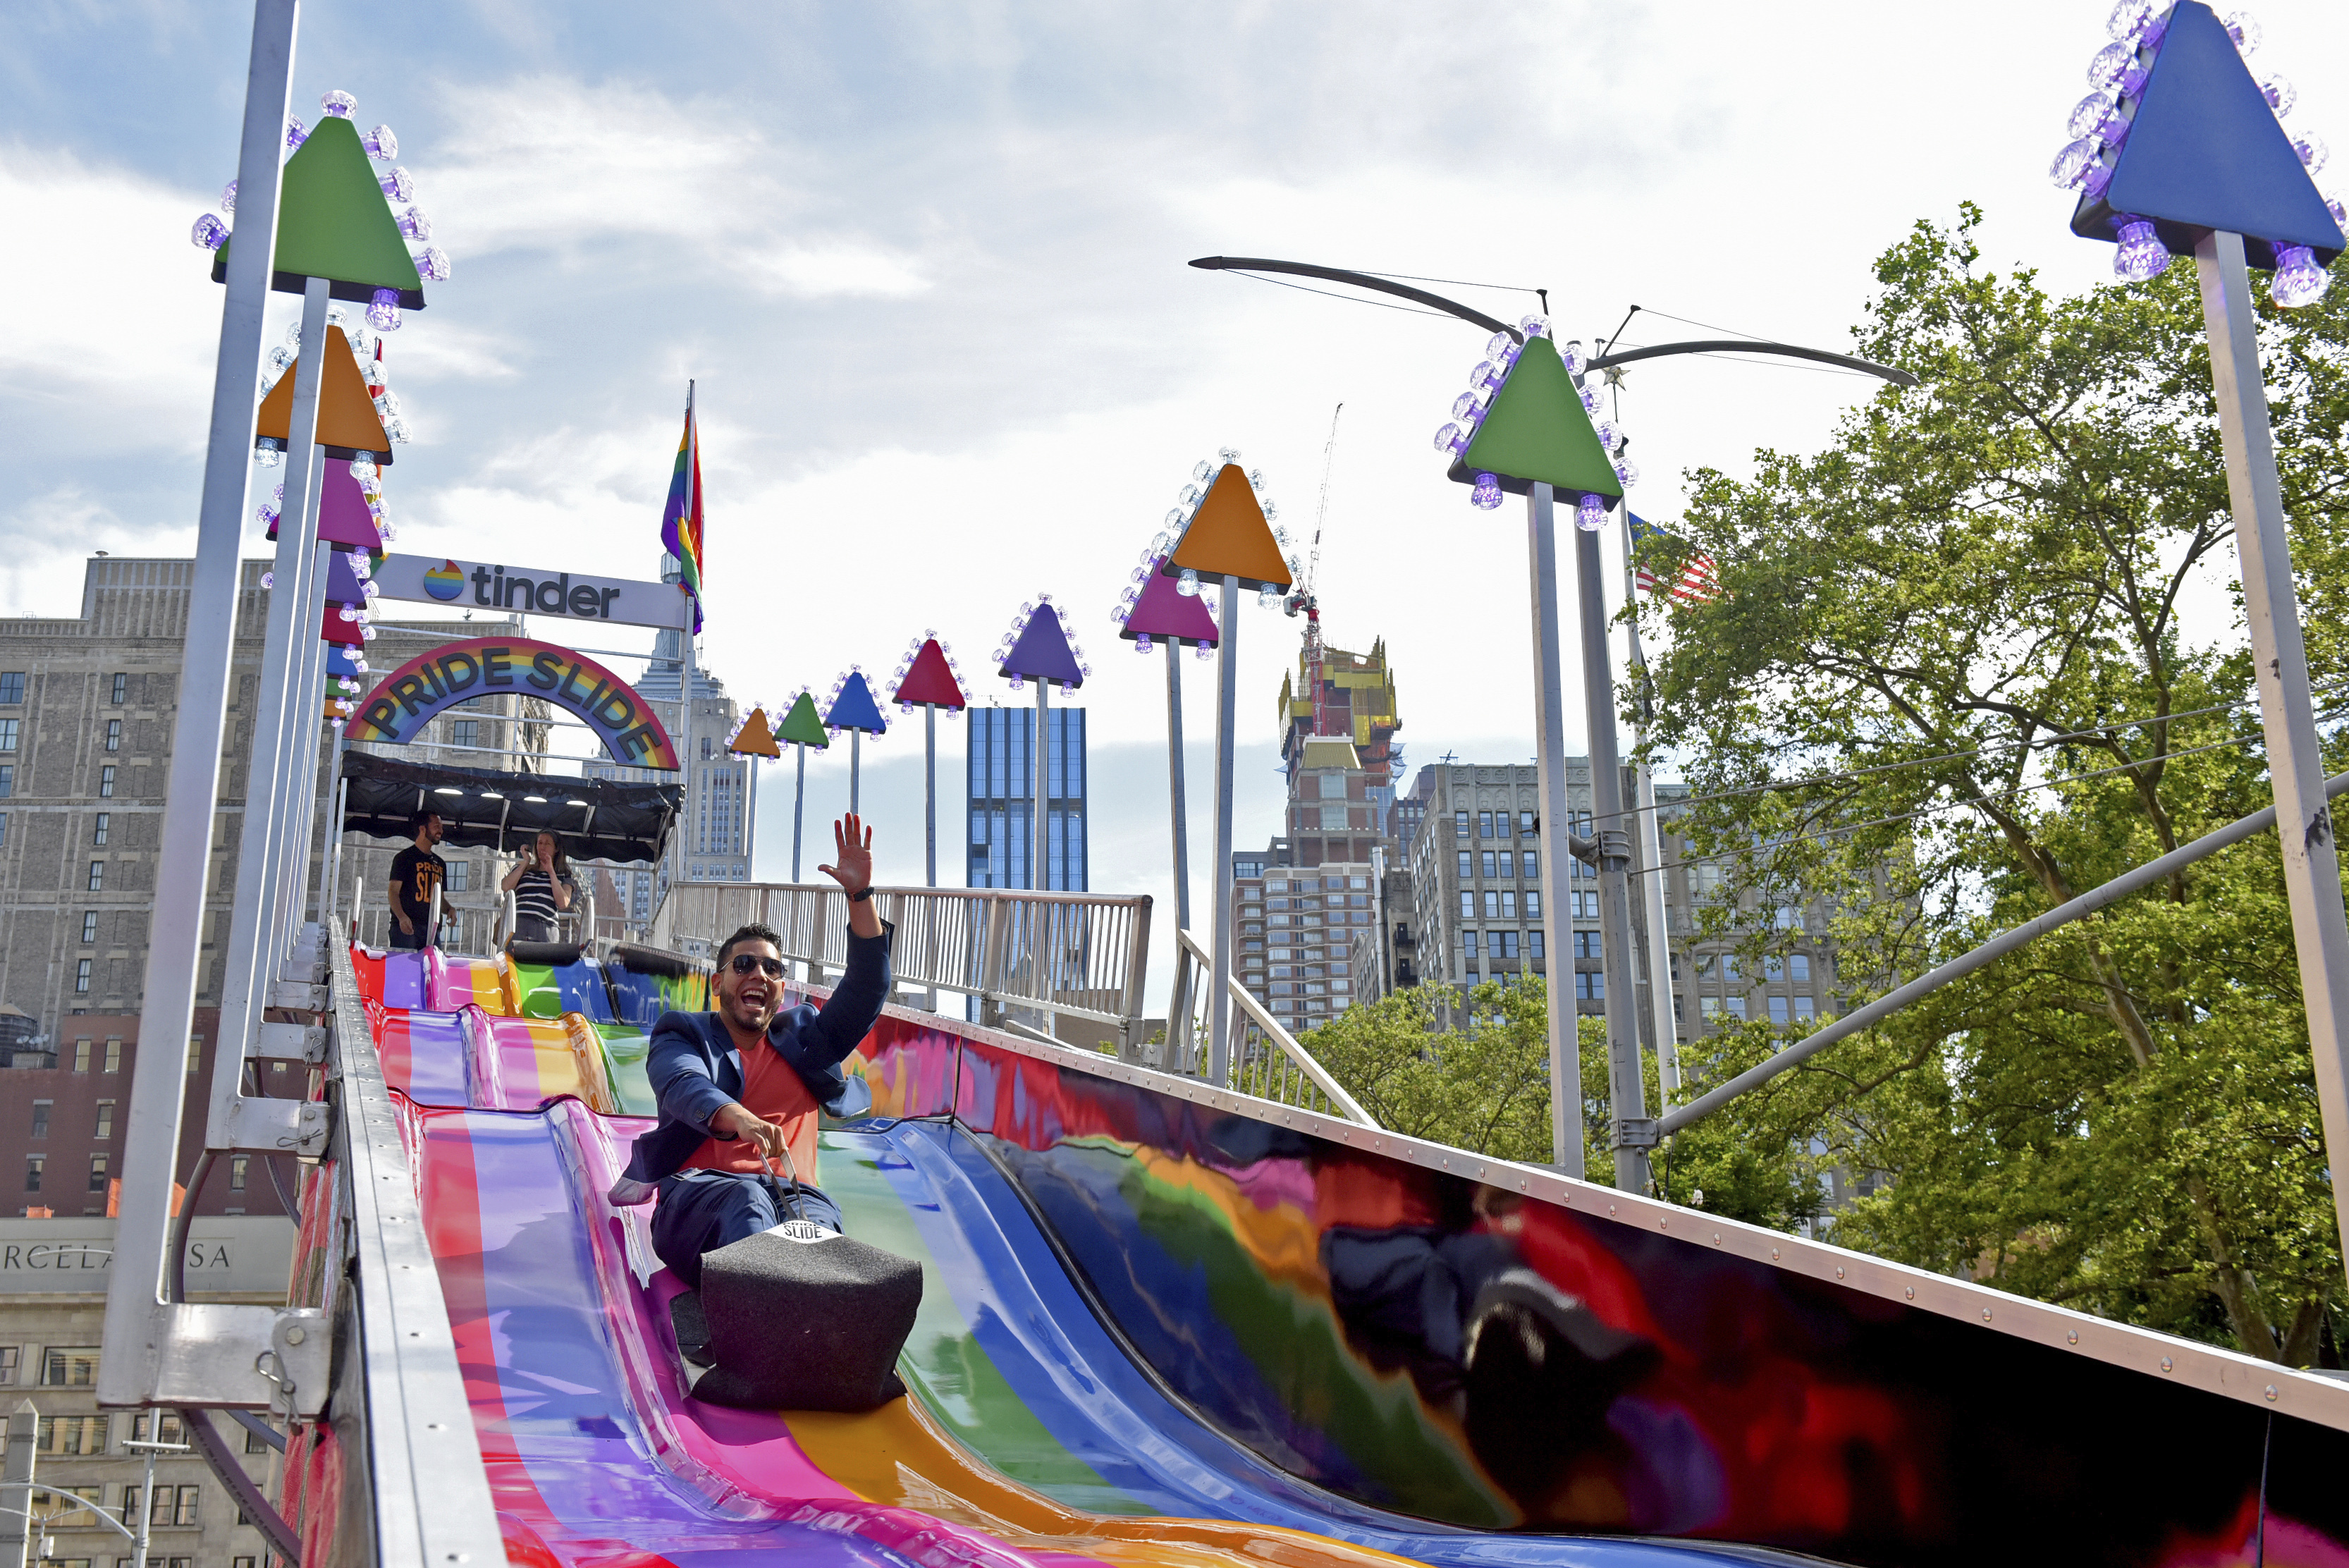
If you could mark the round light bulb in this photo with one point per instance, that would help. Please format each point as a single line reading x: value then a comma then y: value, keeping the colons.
x: 2298, y: 279
x: 2089, y: 113
x: 2141, y: 255
x: 2071, y: 163
x: 208, y: 233
x: 1591, y: 515
x: 1486, y: 492
x: 1187, y: 583
x: 2244, y: 29
x: 338, y: 103
x: 383, y: 311
x: 2281, y: 94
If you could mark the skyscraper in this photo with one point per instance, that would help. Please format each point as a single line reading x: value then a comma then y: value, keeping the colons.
x: 1003, y: 798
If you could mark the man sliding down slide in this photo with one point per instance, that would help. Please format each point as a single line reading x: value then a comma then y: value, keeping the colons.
x: 739, y: 1087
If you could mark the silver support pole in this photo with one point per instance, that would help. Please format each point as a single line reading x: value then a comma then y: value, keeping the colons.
x: 929, y: 833
x: 685, y: 729
x: 855, y: 765
x: 1178, y: 1055
x: 2312, y: 867
x: 1040, y: 776
x: 798, y: 807
x: 1219, y: 975
x: 1565, y: 1132
x: 304, y: 720
x: 16, y: 1492
x: 147, y: 1494
x: 136, y: 1319
x: 270, y: 770
x: 1626, y: 1083
x: 330, y: 843
x: 1648, y: 851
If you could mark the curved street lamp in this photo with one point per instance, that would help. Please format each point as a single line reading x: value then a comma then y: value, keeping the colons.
x: 1633, y: 1132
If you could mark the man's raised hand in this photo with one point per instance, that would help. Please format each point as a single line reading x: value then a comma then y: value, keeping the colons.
x: 852, y: 854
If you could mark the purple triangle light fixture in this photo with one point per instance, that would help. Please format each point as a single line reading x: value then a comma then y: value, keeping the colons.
x: 1039, y: 647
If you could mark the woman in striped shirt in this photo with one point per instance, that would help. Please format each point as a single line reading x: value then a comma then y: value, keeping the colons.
x: 541, y: 884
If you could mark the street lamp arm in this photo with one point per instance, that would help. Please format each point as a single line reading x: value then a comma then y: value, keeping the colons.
x: 58, y: 1495
x: 1360, y: 280
x: 1749, y: 346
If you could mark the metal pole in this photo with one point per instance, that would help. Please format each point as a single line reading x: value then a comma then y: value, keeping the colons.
x: 147, y: 1499
x: 693, y: 812
x: 2312, y: 867
x: 1219, y: 974
x: 929, y: 842
x: 1565, y: 1132
x: 1039, y: 773
x: 133, y: 1342
x: 1178, y: 1055
x: 798, y: 807
x: 855, y: 766
x: 253, y: 951
x: 1648, y: 848
x: 304, y: 720
x: 1626, y: 1083
x: 17, y: 1494
x: 330, y: 843
x: 2087, y: 903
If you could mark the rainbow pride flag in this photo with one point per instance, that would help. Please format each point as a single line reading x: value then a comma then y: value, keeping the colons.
x: 681, y: 514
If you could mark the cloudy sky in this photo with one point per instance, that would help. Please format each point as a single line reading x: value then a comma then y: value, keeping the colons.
x: 926, y: 262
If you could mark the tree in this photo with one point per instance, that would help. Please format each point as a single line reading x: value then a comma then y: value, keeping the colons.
x: 1953, y: 681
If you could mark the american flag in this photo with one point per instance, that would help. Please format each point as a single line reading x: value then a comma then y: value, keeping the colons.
x: 1698, y: 584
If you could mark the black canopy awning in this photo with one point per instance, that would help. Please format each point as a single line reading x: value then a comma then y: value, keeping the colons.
x: 597, y: 819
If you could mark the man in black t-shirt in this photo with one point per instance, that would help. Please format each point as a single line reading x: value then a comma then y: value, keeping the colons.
x: 416, y: 875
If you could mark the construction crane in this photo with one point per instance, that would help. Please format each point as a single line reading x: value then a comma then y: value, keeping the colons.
x: 1300, y: 593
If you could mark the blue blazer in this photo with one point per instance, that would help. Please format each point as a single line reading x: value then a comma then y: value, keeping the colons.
x: 696, y: 1071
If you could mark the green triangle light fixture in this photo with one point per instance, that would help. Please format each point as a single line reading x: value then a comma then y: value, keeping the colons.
x: 1525, y: 420
x: 336, y: 219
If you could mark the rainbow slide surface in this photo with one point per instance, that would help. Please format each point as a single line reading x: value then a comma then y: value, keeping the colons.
x: 1154, y: 1334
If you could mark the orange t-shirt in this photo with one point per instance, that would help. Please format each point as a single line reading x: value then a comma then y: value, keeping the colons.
x: 773, y: 1092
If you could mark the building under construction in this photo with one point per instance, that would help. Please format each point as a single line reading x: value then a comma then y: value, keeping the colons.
x: 1338, y: 722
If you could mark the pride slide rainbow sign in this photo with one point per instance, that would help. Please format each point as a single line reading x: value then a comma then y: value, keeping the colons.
x: 412, y: 695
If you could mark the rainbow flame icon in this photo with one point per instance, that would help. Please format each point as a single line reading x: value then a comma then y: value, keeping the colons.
x: 444, y: 581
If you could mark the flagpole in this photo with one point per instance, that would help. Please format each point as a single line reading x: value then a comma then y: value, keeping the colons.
x: 1647, y: 850
x: 685, y: 690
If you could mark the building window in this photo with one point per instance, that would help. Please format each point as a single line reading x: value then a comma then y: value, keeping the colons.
x: 121, y: 690
x: 105, y: 1128
x: 1777, y: 1010
x: 1532, y: 901
x: 88, y: 932
x: 1798, y: 967
x: 1586, y: 945
x: 1525, y: 824
x: 98, y: 1172
x: 1467, y: 904
x: 1532, y: 868
x: 1589, y: 985
x: 114, y: 1056
x: 81, y: 1055
x: 195, y: 1054
x: 10, y: 1356
x: 236, y: 1168
x: 171, y: 1431
x: 1489, y: 859
x: 33, y: 1166
x: 1586, y: 906
x: 99, y: 828
x: 460, y: 877
x: 1484, y: 824
x: 1803, y: 1009
x: 1467, y: 863
x: 69, y: 1366
x: 254, y: 1443
x: 1459, y: 825
x: 1508, y: 904
x: 9, y: 729
x: 41, y: 1117
x: 105, y: 782
x: 1492, y: 905
x: 81, y: 977
x: 97, y: 876
x: 65, y: 1435
x: 3, y: 815
x: 1709, y: 1006
x: 1534, y: 940
x: 1737, y: 1007
x: 12, y: 686
x: 1468, y: 945
x: 113, y: 735
x: 1509, y: 863
x: 1728, y: 975
x: 468, y: 732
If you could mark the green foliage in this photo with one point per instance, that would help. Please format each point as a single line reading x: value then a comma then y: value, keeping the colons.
x: 1949, y: 687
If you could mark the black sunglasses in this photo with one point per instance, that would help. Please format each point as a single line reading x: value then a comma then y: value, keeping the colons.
x: 745, y: 963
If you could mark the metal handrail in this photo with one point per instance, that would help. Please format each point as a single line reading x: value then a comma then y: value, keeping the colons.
x: 1284, y: 1041
x: 1082, y: 954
